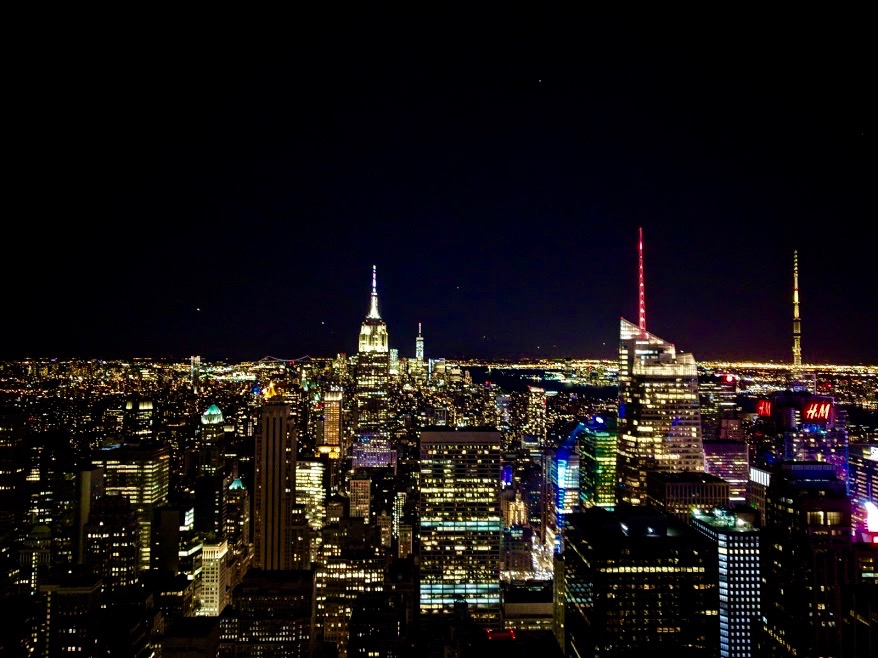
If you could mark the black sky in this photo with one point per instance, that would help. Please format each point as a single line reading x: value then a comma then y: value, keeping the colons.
x: 222, y: 184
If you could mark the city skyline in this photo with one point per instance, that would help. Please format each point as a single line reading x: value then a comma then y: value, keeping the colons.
x: 229, y: 198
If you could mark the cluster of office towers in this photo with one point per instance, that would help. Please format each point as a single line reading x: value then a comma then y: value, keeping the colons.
x: 658, y: 538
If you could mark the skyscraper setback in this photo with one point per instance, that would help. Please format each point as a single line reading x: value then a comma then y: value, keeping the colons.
x: 659, y: 415
x: 373, y: 369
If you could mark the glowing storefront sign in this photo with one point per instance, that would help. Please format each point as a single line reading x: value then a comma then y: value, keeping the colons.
x: 763, y: 407
x: 818, y: 410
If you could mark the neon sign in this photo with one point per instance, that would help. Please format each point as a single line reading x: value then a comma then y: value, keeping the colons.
x: 817, y: 411
x: 763, y: 407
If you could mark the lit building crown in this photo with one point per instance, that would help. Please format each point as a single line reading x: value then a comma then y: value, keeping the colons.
x: 373, y: 332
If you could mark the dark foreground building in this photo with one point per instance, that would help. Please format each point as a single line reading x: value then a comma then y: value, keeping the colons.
x: 637, y: 581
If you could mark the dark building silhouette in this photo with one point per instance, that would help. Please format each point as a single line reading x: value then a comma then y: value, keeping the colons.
x: 192, y: 637
x: 636, y: 581
x: 272, y: 614
x: 274, y: 486
x: 377, y: 627
x: 112, y: 546
x: 806, y: 560
x: 679, y: 493
x: 70, y: 625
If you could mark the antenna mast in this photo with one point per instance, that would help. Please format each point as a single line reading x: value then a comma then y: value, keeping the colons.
x: 642, y: 292
x: 797, y: 323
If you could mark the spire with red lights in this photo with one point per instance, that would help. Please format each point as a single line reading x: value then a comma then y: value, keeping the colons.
x: 642, y: 293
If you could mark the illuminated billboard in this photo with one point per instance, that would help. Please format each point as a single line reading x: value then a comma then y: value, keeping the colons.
x: 763, y: 407
x: 817, y: 411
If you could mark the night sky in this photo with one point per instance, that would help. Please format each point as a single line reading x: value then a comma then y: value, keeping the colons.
x: 223, y: 184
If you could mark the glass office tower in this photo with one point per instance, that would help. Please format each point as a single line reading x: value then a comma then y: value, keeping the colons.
x: 659, y: 415
x: 460, y: 524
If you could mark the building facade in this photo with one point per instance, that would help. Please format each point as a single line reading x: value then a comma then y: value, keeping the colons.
x: 460, y: 523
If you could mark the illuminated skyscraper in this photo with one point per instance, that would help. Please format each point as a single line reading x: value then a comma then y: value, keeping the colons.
x: 215, y: 585
x: 564, y: 478
x: 729, y: 460
x: 535, y: 419
x: 460, y: 524
x: 274, y: 487
x: 141, y: 473
x: 332, y: 422
x: 373, y: 370
x: 361, y: 495
x: 659, y: 414
x: 863, y: 487
x: 211, y: 483
x: 311, y: 495
x: 419, y: 345
x: 194, y: 371
x: 736, y: 543
x: 597, y: 462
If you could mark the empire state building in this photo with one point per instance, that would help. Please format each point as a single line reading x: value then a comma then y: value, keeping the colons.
x: 373, y: 370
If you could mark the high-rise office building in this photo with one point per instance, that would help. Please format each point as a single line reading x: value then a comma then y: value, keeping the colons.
x: 15, y: 458
x: 677, y: 494
x: 460, y: 524
x: 729, y: 460
x: 339, y: 580
x: 274, y: 486
x: 139, y: 419
x: 331, y: 444
x: 211, y: 483
x: 659, y: 414
x: 238, y: 516
x: 272, y: 614
x: 215, y: 582
x: 194, y: 372
x: 564, y: 479
x: 863, y: 486
x: 373, y: 370
x: 637, y: 581
x: 311, y: 491
x: 659, y: 419
x: 89, y: 487
x: 718, y: 402
x: 807, y: 536
x: 360, y: 495
x: 71, y: 615
x: 111, y: 543
x: 419, y: 345
x: 332, y: 439
x: 176, y: 547
x: 737, y: 545
x: 535, y: 418
x: 597, y: 461
x: 140, y: 472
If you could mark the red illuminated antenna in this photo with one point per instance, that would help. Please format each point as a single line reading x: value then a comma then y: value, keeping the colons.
x: 642, y: 293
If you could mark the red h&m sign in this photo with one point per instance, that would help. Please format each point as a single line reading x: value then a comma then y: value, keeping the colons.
x: 763, y: 407
x: 817, y: 411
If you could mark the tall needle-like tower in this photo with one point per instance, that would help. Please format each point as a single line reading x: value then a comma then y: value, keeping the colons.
x: 642, y: 291
x: 797, y: 323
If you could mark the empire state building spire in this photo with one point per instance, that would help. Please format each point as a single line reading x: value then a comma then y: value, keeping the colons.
x: 373, y: 331
x: 373, y: 307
